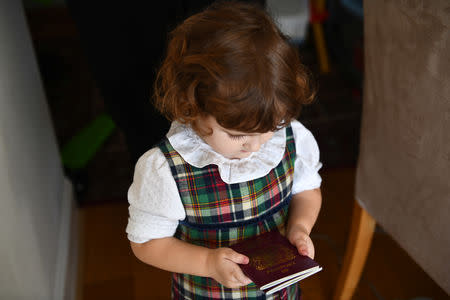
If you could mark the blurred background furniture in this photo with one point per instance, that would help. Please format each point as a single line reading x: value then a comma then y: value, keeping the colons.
x: 402, y: 179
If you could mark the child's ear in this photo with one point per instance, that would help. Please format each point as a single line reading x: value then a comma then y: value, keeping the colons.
x: 201, y: 127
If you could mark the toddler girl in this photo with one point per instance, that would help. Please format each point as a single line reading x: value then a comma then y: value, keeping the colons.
x: 235, y: 162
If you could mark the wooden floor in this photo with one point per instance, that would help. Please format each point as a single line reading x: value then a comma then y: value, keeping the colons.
x: 108, y: 269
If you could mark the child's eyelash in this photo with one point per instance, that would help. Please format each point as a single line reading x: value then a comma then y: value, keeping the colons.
x: 236, y: 137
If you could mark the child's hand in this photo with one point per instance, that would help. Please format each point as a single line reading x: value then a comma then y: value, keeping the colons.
x: 222, y: 265
x: 299, y: 237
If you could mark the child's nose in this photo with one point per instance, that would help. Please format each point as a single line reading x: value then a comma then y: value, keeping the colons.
x: 253, y: 144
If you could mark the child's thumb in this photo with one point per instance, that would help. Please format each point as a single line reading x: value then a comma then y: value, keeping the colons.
x: 238, y: 258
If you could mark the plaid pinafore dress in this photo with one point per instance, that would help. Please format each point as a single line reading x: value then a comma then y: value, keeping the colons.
x: 220, y: 214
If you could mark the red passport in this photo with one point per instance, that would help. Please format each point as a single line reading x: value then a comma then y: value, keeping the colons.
x: 274, y: 262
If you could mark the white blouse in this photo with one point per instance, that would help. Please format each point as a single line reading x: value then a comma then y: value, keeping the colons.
x: 155, y: 204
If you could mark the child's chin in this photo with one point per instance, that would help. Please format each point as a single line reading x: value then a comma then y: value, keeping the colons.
x: 240, y: 155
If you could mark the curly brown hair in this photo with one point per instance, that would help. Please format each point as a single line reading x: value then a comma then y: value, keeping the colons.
x: 233, y: 63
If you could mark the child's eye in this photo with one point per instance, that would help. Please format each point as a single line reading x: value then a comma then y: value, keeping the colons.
x: 236, y: 137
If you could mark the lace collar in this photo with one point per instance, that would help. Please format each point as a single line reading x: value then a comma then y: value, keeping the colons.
x: 199, y: 154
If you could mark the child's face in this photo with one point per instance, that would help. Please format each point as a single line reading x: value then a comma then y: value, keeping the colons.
x: 230, y: 143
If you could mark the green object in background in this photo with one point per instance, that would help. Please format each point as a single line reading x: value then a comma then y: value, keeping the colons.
x: 82, y: 147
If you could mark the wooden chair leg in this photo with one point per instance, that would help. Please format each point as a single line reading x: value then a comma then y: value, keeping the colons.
x: 361, y: 233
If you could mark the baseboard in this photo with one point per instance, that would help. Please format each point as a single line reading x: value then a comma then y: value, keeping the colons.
x: 67, y: 257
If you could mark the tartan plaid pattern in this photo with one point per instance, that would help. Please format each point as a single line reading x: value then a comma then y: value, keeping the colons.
x: 203, y: 288
x: 220, y: 214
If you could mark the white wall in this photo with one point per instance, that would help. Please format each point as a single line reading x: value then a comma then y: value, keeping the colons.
x: 35, y: 199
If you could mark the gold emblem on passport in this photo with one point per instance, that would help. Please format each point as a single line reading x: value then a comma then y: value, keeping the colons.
x: 263, y: 260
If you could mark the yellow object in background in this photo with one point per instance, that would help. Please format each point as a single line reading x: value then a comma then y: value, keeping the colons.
x: 318, y: 14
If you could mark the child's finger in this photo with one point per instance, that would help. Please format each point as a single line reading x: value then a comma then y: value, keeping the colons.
x: 302, y: 247
x: 303, y: 251
x: 240, y: 277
